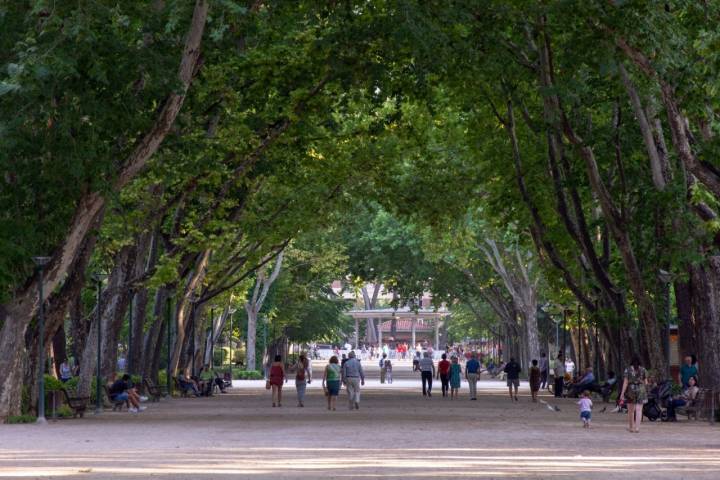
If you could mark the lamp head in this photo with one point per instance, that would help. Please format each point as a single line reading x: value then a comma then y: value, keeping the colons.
x: 99, y: 276
x: 41, y: 261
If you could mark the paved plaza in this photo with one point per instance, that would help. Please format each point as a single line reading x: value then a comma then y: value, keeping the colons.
x: 396, y: 434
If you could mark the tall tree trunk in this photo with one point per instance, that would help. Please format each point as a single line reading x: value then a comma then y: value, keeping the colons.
x: 183, y: 308
x: 16, y: 315
x: 686, y: 322
x: 705, y: 280
x: 154, y: 333
x: 263, y: 282
x: 79, y: 327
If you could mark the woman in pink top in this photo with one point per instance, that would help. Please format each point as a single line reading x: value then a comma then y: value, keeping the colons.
x: 277, y: 378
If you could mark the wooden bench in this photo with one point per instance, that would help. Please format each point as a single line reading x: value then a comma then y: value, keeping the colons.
x: 179, y: 387
x: 155, y: 392
x: 116, y: 404
x: 77, y: 404
x: 698, y: 407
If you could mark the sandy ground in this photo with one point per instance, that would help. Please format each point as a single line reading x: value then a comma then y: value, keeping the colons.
x: 396, y: 433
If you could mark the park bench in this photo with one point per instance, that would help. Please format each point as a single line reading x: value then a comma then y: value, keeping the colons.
x: 180, y: 388
x: 77, y: 404
x: 155, y: 392
x: 116, y: 404
x: 699, y: 406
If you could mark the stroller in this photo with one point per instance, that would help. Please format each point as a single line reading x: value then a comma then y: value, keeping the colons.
x: 656, y: 406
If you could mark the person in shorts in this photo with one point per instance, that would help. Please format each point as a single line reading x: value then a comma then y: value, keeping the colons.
x: 331, y: 382
x: 585, y: 408
x: 512, y: 370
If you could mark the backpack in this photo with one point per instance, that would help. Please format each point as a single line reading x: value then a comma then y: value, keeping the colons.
x: 382, y: 362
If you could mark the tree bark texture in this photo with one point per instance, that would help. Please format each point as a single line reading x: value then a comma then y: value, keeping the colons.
x: 17, y: 314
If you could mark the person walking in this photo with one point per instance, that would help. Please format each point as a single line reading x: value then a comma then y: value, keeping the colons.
x: 383, y: 370
x: 544, y: 367
x: 303, y: 375
x: 586, y: 405
x: 472, y: 368
x: 559, y: 372
x: 353, y: 376
x: 443, y: 372
x: 331, y: 382
x: 534, y: 379
x: 427, y: 372
x: 634, y: 392
x: 388, y: 371
x: 455, y: 372
x: 512, y: 370
x: 277, y: 378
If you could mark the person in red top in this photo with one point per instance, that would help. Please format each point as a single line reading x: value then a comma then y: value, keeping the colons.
x: 277, y: 378
x: 443, y: 373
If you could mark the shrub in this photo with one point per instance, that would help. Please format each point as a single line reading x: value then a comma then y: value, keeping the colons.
x: 64, y: 411
x: 22, y: 419
x: 246, y: 374
x: 52, y: 384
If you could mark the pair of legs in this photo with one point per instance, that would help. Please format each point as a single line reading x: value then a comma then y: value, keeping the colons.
x: 277, y: 395
x: 634, y: 416
x: 586, y: 418
x: 388, y: 376
x: 383, y: 375
x: 472, y: 383
x: 426, y: 383
x: 559, y: 386
x: 454, y: 392
x: 672, y: 405
x: 445, y: 382
x: 353, y: 389
x: 333, y: 389
x: 300, y: 386
x: 513, y: 383
x: 543, y: 379
x: 534, y: 394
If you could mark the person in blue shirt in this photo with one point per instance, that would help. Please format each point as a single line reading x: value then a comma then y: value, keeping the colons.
x: 585, y: 382
x: 687, y: 370
x: 472, y: 372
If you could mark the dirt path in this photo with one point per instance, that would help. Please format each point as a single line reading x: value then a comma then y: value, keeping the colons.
x: 396, y: 433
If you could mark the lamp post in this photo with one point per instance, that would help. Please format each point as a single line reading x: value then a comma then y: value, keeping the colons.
x: 168, y: 317
x: 666, y: 278
x: 40, y: 263
x: 193, y: 301
x: 230, y: 338
x: 128, y: 360
x: 265, y: 328
x: 98, y: 277
x: 212, y: 336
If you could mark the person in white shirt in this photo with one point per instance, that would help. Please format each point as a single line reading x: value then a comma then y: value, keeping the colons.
x: 427, y: 372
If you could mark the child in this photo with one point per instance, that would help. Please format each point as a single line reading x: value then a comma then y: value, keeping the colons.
x: 585, y: 408
x: 534, y: 380
x: 388, y: 371
x: 455, y: 371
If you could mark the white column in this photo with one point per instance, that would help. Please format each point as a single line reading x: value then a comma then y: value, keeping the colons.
x: 414, y: 320
x: 357, y: 333
x: 379, y: 335
x: 437, y: 334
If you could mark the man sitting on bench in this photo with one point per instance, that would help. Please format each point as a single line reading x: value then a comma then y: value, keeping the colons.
x: 208, y: 379
x: 120, y: 391
x: 586, y: 382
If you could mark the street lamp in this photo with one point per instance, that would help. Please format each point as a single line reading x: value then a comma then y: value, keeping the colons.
x: 193, y: 301
x: 40, y: 263
x: 266, y: 320
x: 232, y: 310
x: 98, y: 277
x: 168, y: 316
x: 128, y: 361
x: 666, y: 278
